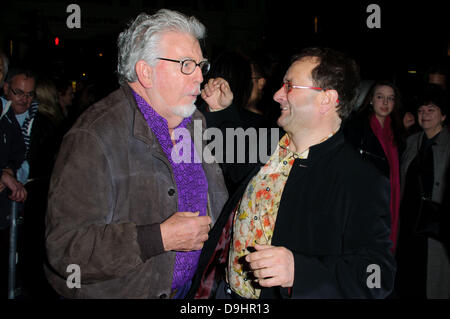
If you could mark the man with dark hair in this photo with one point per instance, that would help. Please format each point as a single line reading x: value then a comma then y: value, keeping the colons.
x: 313, y: 222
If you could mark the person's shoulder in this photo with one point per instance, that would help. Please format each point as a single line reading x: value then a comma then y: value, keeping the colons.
x: 110, y: 110
x: 445, y: 135
x: 412, y: 139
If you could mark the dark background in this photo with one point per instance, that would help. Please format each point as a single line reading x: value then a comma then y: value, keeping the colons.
x: 412, y: 37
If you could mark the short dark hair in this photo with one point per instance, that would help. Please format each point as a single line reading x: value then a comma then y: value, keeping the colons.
x: 16, y: 71
x: 335, y: 71
x: 435, y: 94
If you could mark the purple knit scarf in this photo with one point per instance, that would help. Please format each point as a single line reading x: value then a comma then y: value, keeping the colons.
x: 191, y: 182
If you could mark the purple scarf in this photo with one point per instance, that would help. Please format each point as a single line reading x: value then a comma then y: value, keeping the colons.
x: 191, y: 182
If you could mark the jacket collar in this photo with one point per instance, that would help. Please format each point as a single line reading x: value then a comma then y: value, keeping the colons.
x: 321, y: 149
x: 443, y: 138
x: 141, y: 130
x: 5, y: 107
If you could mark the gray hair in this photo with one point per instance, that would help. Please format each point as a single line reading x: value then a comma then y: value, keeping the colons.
x: 5, y: 67
x: 140, y: 41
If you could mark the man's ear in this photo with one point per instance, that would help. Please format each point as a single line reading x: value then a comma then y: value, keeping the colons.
x: 329, y: 99
x: 144, y: 73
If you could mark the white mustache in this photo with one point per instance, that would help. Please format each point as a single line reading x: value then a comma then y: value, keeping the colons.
x: 195, y: 91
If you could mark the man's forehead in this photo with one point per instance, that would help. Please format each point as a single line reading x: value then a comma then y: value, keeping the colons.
x: 182, y: 44
x: 21, y: 78
x: 301, y: 68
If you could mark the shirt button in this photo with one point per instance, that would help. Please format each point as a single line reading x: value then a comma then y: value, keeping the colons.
x: 268, y: 189
x: 171, y: 192
x: 256, y: 217
x: 284, y: 162
x: 163, y: 296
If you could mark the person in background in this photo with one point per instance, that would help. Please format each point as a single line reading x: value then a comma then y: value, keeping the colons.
x: 12, y: 154
x: 436, y: 74
x: 46, y: 134
x: 376, y: 132
x: 20, y: 89
x: 423, y: 246
x: 65, y: 99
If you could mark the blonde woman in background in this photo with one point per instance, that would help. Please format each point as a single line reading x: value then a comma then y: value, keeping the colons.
x: 46, y: 135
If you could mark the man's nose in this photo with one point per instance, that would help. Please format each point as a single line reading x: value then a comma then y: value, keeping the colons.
x: 280, y: 95
x: 26, y: 98
x: 198, y: 75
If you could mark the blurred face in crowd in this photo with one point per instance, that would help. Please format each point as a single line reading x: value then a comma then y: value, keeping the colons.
x: 66, y: 98
x: 174, y: 93
x: 383, y: 101
x: 258, y: 83
x: 298, y: 106
x: 20, y: 92
x: 430, y: 119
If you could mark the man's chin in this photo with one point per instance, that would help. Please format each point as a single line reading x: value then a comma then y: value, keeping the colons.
x: 20, y: 110
x: 184, y: 110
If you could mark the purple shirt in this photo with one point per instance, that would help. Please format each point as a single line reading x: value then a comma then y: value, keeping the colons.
x: 191, y: 183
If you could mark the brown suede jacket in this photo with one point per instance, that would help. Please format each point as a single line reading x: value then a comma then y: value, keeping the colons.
x: 111, y: 188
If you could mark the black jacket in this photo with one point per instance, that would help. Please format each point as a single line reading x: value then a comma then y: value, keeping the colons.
x: 358, y: 132
x: 334, y: 217
x: 12, y: 152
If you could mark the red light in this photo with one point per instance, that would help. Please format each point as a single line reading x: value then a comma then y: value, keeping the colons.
x: 56, y: 41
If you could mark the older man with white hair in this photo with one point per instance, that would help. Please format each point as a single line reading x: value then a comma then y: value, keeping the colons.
x: 124, y: 219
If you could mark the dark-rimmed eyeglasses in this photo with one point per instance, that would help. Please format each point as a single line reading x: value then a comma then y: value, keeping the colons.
x: 288, y: 87
x: 21, y: 94
x: 188, y: 65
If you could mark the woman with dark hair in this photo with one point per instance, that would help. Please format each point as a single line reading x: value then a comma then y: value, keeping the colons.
x: 376, y: 131
x: 423, y: 246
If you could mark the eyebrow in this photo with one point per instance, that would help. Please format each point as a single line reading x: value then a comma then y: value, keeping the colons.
x: 23, y: 91
x: 191, y: 58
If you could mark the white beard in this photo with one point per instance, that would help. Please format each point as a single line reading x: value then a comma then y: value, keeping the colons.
x: 184, y: 110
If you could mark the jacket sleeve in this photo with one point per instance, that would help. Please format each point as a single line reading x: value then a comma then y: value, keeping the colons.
x: 81, y: 205
x: 366, y: 267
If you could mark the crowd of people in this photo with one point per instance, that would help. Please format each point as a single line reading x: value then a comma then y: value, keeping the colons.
x: 347, y: 184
